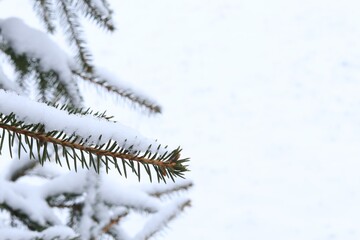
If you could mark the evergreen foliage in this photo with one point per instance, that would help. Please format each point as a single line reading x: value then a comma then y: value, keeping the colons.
x: 92, y: 209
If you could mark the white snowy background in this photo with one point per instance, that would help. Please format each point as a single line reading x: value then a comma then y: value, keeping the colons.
x: 264, y: 96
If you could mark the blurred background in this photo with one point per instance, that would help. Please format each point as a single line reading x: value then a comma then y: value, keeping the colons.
x: 262, y: 95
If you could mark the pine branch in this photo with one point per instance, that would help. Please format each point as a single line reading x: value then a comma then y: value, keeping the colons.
x: 125, y: 93
x: 73, y: 29
x: 44, y: 9
x: 102, y: 18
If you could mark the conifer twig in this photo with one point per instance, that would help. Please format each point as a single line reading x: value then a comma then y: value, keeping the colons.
x: 44, y: 9
x: 166, y: 165
x: 113, y: 221
x: 92, y: 12
x: 126, y: 93
x: 73, y: 28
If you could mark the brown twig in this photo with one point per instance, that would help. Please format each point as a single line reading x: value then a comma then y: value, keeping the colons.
x: 112, y: 222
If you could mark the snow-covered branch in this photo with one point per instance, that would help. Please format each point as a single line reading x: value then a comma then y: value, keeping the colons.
x: 82, y: 135
x: 42, y: 55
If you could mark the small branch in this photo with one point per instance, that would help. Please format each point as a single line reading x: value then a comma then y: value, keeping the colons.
x: 45, y: 11
x: 74, y: 29
x: 171, y: 189
x: 113, y: 222
x: 126, y: 93
x: 92, y: 12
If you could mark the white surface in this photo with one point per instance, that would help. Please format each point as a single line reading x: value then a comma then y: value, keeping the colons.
x: 264, y: 98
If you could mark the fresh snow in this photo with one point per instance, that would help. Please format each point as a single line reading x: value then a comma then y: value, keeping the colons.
x: 60, y: 232
x: 166, y: 212
x: 5, y: 82
x: 22, y: 196
x: 25, y: 193
x: 27, y: 40
x: 264, y: 98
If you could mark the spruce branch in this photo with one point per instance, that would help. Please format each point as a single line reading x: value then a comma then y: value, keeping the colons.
x: 103, y: 19
x: 76, y: 148
x: 73, y: 29
x: 125, y: 93
x: 45, y: 10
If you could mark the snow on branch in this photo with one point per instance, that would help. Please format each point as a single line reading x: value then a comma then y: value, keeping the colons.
x: 20, y: 199
x: 43, y: 56
x: 130, y: 198
x: 82, y: 135
x: 24, y: 43
x: 36, y: 44
x: 68, y: 192
x: 161, y: 219
x: 20, y: 168
x: 51, y: 233
x: 6, y: 83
